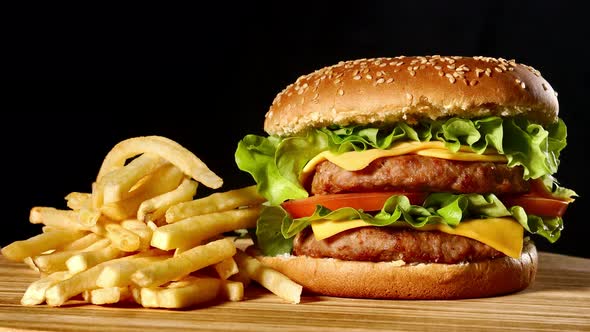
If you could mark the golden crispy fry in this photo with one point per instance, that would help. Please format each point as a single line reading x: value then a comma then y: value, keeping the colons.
x: 155, y: 208
x: 85, y: 260
x: 181, y: 294
x: 216, y: 202
x: 119, y: 274
x: 35, y: 293
x: 194, y: 230
x: 162, y: 180
x: 80, y: 243
x: 88, y: 217
x: 185, y: 263
x: 77, y: 200
x: 56, y: 261
x: 31, y: 264
x: 63, y: 219
x: 117, y: 185
x: 141, y: 230
x: 107, y: 295
x: 38, y: 244
x: 59, y: 293
x: 164, y: 148
x: 122, y: 238
x: 269, y: 278
x: 232, y: 290
x: 226, y: 268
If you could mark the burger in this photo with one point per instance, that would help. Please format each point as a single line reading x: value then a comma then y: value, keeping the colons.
x: 423, y: 177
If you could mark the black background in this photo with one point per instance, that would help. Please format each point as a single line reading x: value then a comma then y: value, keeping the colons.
x: 84, y: 78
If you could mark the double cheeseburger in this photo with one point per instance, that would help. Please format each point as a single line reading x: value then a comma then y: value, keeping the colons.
x: 420, y: 177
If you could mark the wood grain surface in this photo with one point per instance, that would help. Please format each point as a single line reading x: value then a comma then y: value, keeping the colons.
x: 559, y: 300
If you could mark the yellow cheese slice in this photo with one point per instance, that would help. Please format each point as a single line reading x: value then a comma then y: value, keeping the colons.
x: 357, y: 160
x: 502, y: 234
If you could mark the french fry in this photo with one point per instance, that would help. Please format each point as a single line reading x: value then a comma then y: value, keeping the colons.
x: 85, y: 260
x: 122, y: 238
x: 61, y: 219
x: 80, y: 243
x: 216, y: 202
x: 119, y: 274
x: 232, y: 290
x: 77, y: 200
x: 35, y: 293
x: 117, y: 185
x: 88, y: 217
x: 269, y: 278
x: 31, y: 264
x: 38, y: 244
x: 191, y: 260
x: 226, y: 268
x: 162, y: 180
x: 141, y: 230
x: 62, y: 291
x: 194, y: 230
x: 56, y: 261
x: 155, y: 208
x: 181, y: 294
x: 164, y: 148
x: 107, y: 295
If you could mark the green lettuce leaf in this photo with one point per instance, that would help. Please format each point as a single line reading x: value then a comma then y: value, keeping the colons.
x: 276, y: 163
x: 275, y: 228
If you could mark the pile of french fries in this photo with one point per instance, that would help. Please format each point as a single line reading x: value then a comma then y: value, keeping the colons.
x: 140, y: 236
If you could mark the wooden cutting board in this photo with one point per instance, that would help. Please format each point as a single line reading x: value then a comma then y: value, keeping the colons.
x: 559, y: 300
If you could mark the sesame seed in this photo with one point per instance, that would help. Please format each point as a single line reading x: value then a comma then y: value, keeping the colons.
x: 413, y: 73
x: 389, y: 80
x: 451, y: 66
x: 382, y: 65
x: 379, y: 74
x: 341, y: 92
x: 466, y: 81
x: 357, y: 77
x: 437, y: 67
x: 517, y: 81
x: 450, y: 77
x: 381, y: 80
x: 555, y: 93
x: 473, y: 83
x: 369, y: 77
x: 488, y: 72
x: 544, y: 86
x: 393, y: 63
x: 499, y: 70
x: 355, y: 72
x: 409, y: 96
x: 522, y: 85
x: 400, y: 63
x: 441, y: 74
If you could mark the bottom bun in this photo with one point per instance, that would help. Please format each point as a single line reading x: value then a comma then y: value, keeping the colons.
x: 390, y: 280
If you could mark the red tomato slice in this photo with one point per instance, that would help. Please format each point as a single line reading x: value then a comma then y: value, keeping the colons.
x: 539, y: 206
x: 361, y: 201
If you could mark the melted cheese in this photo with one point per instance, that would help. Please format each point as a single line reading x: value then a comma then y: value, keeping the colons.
x: 357, y: 160
x: 502, y: 234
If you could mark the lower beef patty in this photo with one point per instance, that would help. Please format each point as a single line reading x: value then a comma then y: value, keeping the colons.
x: 419, y: 173
x: 378, y: 244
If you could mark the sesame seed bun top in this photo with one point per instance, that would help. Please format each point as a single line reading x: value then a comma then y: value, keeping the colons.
x: 386, y: 90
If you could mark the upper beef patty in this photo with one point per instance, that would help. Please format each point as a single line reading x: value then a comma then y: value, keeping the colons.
x: 419, y: 173
x: 383, y: 244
